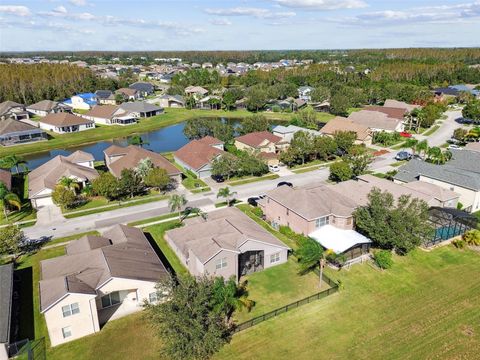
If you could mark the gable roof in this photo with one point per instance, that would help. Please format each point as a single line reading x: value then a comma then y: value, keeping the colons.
x: 10, y: 126
x: 127, y: 91
x: 6, y: 292
x: 64, y: 119
x: 256, y: 138
x: 374, y: 120
x: 196, y: 89
x: 391, y: 112
x: 343, y: 124
x: 131, y: 156
x: 44, y: 105
x: 400, y: 104
x: 292, y: 129
x: 122, y: 252
x: 6, y: 106
x: 140, y: 106
x: 142, y: 86
x: 226, y: 229
x: 47, y: 175
x: 198, y: 153
x: 80, y: 156
x: 104, y: 94
x: 103, y: 111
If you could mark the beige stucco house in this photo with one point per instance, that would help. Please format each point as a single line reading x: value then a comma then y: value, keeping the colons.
x: 261, y: 141
x: 64, y: 122
x: 100, y: 278
x: 228, y: 243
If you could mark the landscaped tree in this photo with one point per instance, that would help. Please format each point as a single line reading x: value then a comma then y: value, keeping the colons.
x: 306, y: 117
x: 225, y: 165
x: 254, y: 123
x: 320, y: 94
x: 472, y: 110
x: 339, y: 104
x: 157, y: 178
x: 226, y: 193
x: 460, y: 134
x: 422, y: 148
x: 229, y: 297
x: 325, y: 147
x: 143, y: 167
x: 13, y: 161
x: 340, y: 171
x: 359, y: 158
x: 8, y: 199
x: 106, y: 185
x: 310, y: 254
x: 130, y: 183
x: 176, y: 202
x: 11, y: 237
x: 64, y: 197
x: 438, y: 156
x: 345, y: 140
x: 303, y: 144
x: 69, y: 184
x: 411, y: 144
x: 137, y: 140
x: 399, y: 224
x: 191, y: 324
x: 257, y: 97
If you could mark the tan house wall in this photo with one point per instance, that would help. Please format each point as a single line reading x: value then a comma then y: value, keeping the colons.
x: 226, y: 272
x: 268, y: 250
x: 266, y: 146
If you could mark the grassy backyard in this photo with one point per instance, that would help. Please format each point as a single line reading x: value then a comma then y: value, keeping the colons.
x: 19, y: 187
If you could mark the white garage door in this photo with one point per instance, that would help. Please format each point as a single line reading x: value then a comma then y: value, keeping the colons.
x: 46, y: 201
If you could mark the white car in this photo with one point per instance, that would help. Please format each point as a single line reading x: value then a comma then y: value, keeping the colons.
x: 273, y: 168
x: 454, y: 147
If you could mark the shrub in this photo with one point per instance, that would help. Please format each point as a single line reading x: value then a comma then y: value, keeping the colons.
x: 257, y: 211
x: 459, y: 206
x: 340, y: 171
x: 472, y: 237
x: 64, y: 197
x: 383, y: 259
x: 459, y: 243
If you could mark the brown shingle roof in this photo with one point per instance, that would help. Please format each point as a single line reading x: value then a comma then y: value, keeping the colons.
x: 396, y: 113
x: 44, y: 105
x: 210, y: 140
x: 374, y: 120
x: 343, y: 124
x: 7, y: 105
x: 400, y: 104
x: 127, y: 91
x: 80, y: 156
x: 197, y: 153
x: 133, y: 155
x: 103, y: 111
x: 256, y: 138
x: 10, y: 125
x: 64, y: 119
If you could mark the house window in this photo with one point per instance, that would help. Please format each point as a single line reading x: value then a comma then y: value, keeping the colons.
x: 322, y: 221
x: 221, y: 263
x: 67, y: 332
x: 71, y: 309
x: 111, y: 299
x: 274, y: 258
x: 153, y: 297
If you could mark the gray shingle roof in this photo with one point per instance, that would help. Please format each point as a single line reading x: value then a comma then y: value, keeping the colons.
x: 140, y: 106
x: 6, y: 286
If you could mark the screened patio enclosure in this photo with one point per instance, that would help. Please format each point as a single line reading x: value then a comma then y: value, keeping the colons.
x: 250, y: 262
x: 448, y: 223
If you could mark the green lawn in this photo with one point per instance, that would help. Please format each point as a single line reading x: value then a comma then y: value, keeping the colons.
x: 193, y: 184
x: 431, y: 130
x: 425, y: 307
x: 248, y: 180
x: 170, y: 117
x: 19, y: 187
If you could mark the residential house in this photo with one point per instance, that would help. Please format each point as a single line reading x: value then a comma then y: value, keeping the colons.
x: 83, y: 101
x: 173, y: 101
x: 128, y: 94
x: 43, y: 180
x: 377, y: 121
x: 45, y: 107
x: 141, y: 109
x: 118, y: 158
x: 106, y: 97
x: 391, y: 112
x: 197, y: 92
x: 241, y: 104
x: 110, y: 115
x: 401, y: 105
x: 6, y: 178
x: 6, y: 305
x: 14, y: 132
x: 100, y: 278
x: 337, y: 124
x: 287, y: 132
x: 13, y: 110
x: 260, y: 141
x: 227, y: 243
x: 211, y: 102
x: 198, y: 155
x: 63, y: 122
x: 304, y: 93
x: 461, y: 174
x: 144, y: 89
x: 323, y: 106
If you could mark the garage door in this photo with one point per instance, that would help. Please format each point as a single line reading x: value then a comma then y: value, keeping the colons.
x: 46, y: 201
x: 204, y: 174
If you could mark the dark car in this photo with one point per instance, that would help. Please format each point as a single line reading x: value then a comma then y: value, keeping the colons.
x: 218, y: 178
x: 253, y: 201
x: 403, y: 155
x: 282, y: 183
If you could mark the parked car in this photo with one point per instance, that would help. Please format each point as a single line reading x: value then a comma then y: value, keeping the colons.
x: 462, y: 120
x: 273, y: 168
x: 403, y: 155
x: 405, y: 134
x: 454, y: 147
x: 282, y: 183
x: 253, y: 200
x: 218, y: 178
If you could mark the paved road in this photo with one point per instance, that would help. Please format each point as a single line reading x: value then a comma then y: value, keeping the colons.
x: 445, y: 131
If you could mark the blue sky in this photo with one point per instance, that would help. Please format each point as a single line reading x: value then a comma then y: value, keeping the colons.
x: 236, y: 24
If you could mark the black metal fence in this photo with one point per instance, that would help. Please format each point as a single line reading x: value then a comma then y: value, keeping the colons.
x: 32, y: 350
x: 320, y: 295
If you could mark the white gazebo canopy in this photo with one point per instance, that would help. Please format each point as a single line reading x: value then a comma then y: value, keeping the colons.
x: 338, y: 240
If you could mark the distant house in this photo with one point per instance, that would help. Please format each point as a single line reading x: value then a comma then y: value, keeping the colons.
x: 6, y: 306
x: 13, y: 110
x: 227, y: 243
x: 100, y: 278
x: 241, y: 104
x: 129, y: 94
x: 391, y: 112
x: 197, y: 92
x: 42, y: 180
x: 304, y: 93
x: 110, y: 115
x: 377, y: 121
x: 62, y: 123
x: 83, y: 101
x: 14, y: 132
x: 337, y: 124
x: 145, y: 89
x: 105, y: 97
x: 141, y: 109
x: 211, y: 102
x: 118, y: 158
x: 173, y: 101
x: 287, y: 132
x: 323, y: 106
x: 261, y: 141
x: 198, y: 155
x: 45, y: 107
x: 400, y: 104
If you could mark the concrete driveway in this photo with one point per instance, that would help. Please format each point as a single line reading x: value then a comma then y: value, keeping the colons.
x: 50, y: 214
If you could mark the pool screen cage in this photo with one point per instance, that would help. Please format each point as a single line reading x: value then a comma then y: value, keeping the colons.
x: 448, y: 223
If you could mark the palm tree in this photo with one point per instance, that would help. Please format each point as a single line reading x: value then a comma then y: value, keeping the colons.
x: 69, y: 183
x: 13, y: 161
x: 434, y: 154
x: 310, y: 255
x: 226, y: 193
x: 422, y: 147
x: 9, y: 198
x: 176, y: 203
x: 411, y: 143
x: 228, y: 297
x: 143, y: 167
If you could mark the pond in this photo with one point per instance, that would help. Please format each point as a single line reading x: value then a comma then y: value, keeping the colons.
x: 167, y: 139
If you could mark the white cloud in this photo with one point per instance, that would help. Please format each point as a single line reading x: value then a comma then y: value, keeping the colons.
x: 321, y: 5
x: 250, y: 11
x: 60, y: 10
x: 78, y: 2
x: 17, y: 10
x: 220, y: 22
